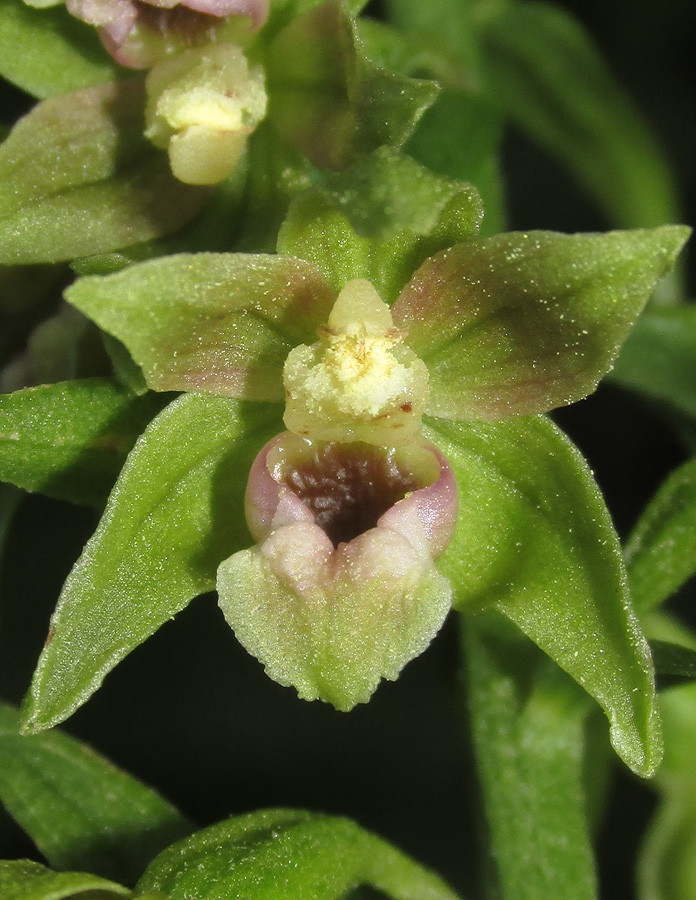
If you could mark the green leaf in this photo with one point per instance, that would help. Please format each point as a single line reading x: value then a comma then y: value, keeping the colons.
x: 222, y: 323
x: 666, y: 869
x: 659, y: 358
x: 77, y: 177
x: 176, y: 512
x: 523, y: 322
x: 667, y: 863
x: 527, y: 725
x: 536, y: 542
x: 544, y: 72
x: 69, y: 440
x: 674, y: 661
x: 460, y: 137
x: 449, y: 23
x: 317, y: 229
x: 328, y: 100
x: 80, y: 810
x: 661, y: 551
x: 47, y: 52
x: 285, y: 854
x: 24, y: 880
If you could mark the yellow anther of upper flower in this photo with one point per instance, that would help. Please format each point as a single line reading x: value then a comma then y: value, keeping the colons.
x: 359, y: 382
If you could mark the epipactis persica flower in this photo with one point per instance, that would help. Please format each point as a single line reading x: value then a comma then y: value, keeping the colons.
x: 351, y: 506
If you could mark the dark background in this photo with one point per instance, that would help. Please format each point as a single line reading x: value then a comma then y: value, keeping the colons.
x: 190, y: 713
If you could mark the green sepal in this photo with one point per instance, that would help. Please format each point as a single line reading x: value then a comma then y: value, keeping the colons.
x: 661, y: 551
x: 48, y: 52
x: 521, y: 323
x: 328, y: 99
x: 220, y: 323
x: 79, y: 809
x: 214, y: 229
x: 173, y: 516
x: 21, y: 879
x: 542, y: 69
x: 77, y: 177
x: 331, y: 234
x: 658, y: 359
x: 284, y: 854
x: 535, y: 541
x: 527, y: 723
x: 69, y: 440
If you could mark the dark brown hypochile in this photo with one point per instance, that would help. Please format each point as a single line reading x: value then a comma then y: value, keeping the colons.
x: 348, y: 487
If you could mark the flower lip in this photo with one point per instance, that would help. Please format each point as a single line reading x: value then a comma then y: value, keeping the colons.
x: 348, y: 489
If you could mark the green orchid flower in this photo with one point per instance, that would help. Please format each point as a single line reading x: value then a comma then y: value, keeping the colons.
x: 507, y: 328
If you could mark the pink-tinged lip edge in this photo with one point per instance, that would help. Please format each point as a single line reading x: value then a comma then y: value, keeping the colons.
x: 426, y: 517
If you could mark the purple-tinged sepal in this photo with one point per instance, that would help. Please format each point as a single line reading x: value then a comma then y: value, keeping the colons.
x: 341, y: 590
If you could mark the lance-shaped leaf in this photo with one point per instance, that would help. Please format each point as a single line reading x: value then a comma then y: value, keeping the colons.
x: 527, y: 725
x: 535, y: 540
x: 79, y: 809
x: 327, y: 98
x: 77, y: 177
x: 661, y: 551
x: 70, y: 440
x: 48, y: 52
x: 659, y: 357
x: 449, y: 212
x: 222, y: 323
x: 666, y: 867
x: 521, y: 323
x: 543, y: 70
x: 172, y: 518
x: 673, y: 662
x: 24, y: 880
x: 285, y: 854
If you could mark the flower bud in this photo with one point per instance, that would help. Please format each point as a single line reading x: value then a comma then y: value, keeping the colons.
x: 359, y: 382
x: 341, y: 590
x: 202, y: 105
